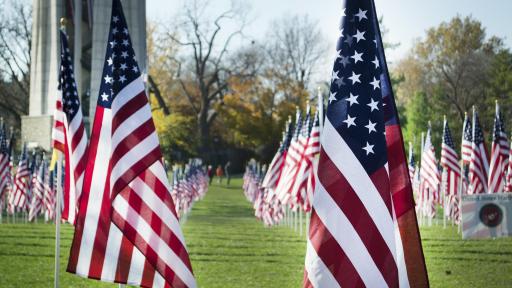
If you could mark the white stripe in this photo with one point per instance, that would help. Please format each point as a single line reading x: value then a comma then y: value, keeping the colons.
x: 132, y: 156
x: 136, y: 267
x: 95, y: 195
x: 347, y: 237
x: 129, y: 91
x: 129, y: 125
x: 144, y: 230
x: 348, y: 165
x: 115, y: 237
x: 75, y: 124
x: 318, y: 274
x: 157, y: 206
x: 158, y: 280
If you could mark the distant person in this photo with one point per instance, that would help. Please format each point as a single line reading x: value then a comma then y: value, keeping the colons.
x: 219, y: 173
x: 227, y: 167
x: 210, y: 173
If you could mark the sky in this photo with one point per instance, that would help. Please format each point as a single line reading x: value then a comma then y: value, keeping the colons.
x: 406, y: 20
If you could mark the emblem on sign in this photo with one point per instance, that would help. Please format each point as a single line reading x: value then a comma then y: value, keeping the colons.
x: 491, y: 215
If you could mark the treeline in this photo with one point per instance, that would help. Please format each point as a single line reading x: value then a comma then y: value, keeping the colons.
x: 454, y: 67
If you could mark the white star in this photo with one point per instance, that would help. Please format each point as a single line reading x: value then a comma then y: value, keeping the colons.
x: 338, y: 54
x: 108, y: 79
x: 352, y: 99
x: 113, y: 44
x: 375, y: 83
x: 123, y: 66
x: 71, y: 110
x: 355, y: 78
x: 375, y: 41
x: 125, y: 42
x: 104, y: 96
x: 359, y: 35
x: 357, y: 57
x: 334, y: 76
x: 350, y: 121
x: 124, y: 54
x: 125, y: 31
x: 135, y: 69
x: 368, y: 148
x: 343, y: 12
x: 114, y: 30
x: 332, y: 97
x: 371, y: 127
x: 376, y: 62
x: 373, y: 105
x: 122, y: 78
x: 115, y: 19
x: 110, y: 61
x: 361, y: 14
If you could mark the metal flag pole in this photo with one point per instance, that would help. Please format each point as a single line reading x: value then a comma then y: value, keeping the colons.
x: 57, y: 220
x: 300, y: 222
x: 320, y: 108
x: 58, y: 202
x: 422, y: 206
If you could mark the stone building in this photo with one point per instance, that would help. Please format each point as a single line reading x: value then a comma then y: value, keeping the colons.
x: 88, y: 24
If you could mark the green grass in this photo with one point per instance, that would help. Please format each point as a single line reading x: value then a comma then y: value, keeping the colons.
x: 230, y: 248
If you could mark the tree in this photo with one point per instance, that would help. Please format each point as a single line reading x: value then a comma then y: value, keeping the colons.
x: 453, y: 67
x: 15, y: 42
x: 204, y: 79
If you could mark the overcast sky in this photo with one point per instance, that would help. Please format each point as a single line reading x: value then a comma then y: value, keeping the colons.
x: 406, y: 20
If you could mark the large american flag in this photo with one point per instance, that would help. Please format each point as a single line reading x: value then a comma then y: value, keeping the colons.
x: 452, y: 180
x: 499, y: 155
x: 127, y: 229
x: 69, y: 135
x: 363, y: 229
x: 479, y: 163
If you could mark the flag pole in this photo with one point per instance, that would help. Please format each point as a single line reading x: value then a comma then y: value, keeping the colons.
x: 58, y: 201
x: 57, y: 220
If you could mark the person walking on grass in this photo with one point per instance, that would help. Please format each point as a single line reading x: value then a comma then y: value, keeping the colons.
x: 210, y: 173
x: 227, y: 167
x: 219, y: 173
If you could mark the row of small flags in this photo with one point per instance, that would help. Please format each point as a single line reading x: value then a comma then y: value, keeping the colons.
x: 476, y: 172
x: 189, y: 184
x: 290, y: 178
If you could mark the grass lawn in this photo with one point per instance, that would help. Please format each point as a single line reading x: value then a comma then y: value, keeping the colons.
x: 230, y: 248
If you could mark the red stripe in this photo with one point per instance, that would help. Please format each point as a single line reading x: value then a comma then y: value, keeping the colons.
x: 347, y: 200
x: 134, y: 138
x: 148, y: 275
x: 128, y: 109
x: 124, y: 261
x: 332, y: 254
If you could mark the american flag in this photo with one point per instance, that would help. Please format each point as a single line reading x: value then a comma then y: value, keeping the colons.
x: 452, y: 179
x: 298, y: 186
x: 285, y: 184
x: 127, y: 229
x: 5, y: 167
x: 306, y: 178
x: 508, y: 186
x: 21, y: 181
x: 499, y: 155
x: 38, y: 190
x: 69, y: 134
x: 49, y: 195
x: 479, y: 164
x: 362, y: 195
x: 430, y: 175
x: 275, y: 168
x: 412, y: 162
x: 467, y: 139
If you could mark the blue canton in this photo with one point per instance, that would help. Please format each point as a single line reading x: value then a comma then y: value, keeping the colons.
x: 120, y: 67
x: 67, y: 84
